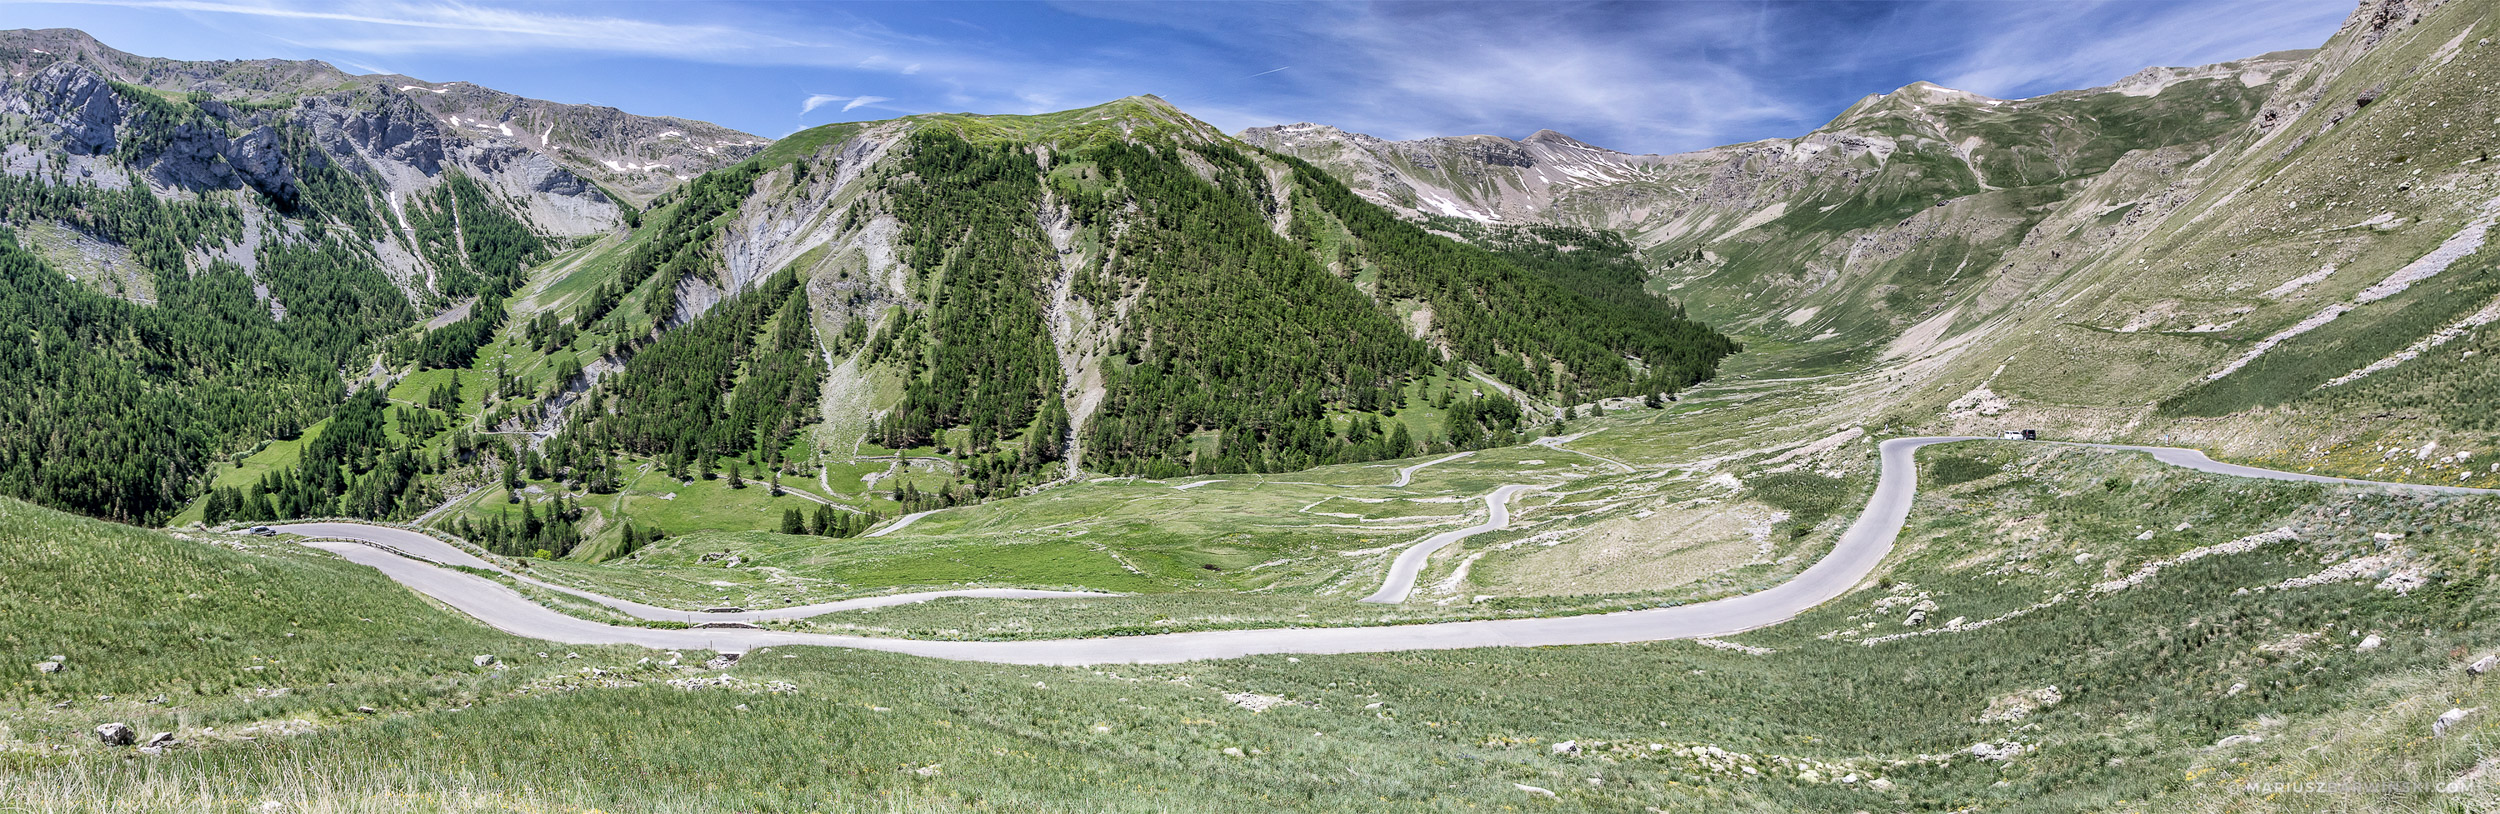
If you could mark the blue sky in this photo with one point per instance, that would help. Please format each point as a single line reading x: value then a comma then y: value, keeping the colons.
x: 1641, y: 77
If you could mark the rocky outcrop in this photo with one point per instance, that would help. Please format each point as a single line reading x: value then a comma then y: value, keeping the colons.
x: 78, y: 102
x: 396, y: 131
x: 117, y: 734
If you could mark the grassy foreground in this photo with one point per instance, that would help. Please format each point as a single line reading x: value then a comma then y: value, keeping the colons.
x: 2144, y: 679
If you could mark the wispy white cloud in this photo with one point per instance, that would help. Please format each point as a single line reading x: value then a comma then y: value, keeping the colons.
x: 2041, y: 47
x: 817, y: 100
x: 461, y: 23
x: 423, y: 27
x: 1648, y: 77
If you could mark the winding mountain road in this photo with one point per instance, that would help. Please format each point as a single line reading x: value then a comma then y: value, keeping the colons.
x: 1853, y: 557
x: 1410, y: 562
x: 900, y: 523
x: 410, y: 544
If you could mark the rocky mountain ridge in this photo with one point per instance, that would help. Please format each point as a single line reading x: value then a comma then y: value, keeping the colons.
x: 81, y: 112
x: 2280, y: 257
x: 634, y: 156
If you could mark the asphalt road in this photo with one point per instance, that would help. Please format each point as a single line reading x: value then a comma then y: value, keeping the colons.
x: 1402, y: 573
x: 1852, y: 559
x: 900, y: 523
x: 425, y: 547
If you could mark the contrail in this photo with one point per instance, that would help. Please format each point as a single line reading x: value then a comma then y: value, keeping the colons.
x: 1264, y: 73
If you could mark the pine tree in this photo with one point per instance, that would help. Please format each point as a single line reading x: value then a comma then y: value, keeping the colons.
x: 792, y: 521
x: 826, y: 522
x: 735, y: 482
x: 214, y: 510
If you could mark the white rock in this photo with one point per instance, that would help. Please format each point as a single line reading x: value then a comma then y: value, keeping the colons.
x: 483, y: 661
x: 116, y: 734
x: 2370, y: 642
x: 2482, y: 665
x: 2238, y: 740
x: 2448, y: 720
x: 1232, y: 751
x: 157, y: 745
x: 1879, y: 784
x: 47, y: 667
x: 1567, y: 748
x: 1999, y: 751
x: 1532, y: 789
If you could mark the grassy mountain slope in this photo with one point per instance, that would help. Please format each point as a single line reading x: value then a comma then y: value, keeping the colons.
x: 2279, y: 258
x: 1837, y: 703
x: 268, y: 234
x: 1014, y: 300
x: 1847, y: 235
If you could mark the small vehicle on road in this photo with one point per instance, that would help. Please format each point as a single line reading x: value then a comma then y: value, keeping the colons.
x: 261, y: 531
x: 2020, y: 435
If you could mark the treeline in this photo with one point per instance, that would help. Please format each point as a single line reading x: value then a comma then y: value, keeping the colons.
x: 123, y: 411
x: 825, y: 522
x: 1240, y: 331
x: 351, y: 468
x: 1518, y: 324
x: 981, y: 360
x: 117, y: 410
x: 454, y: 345
x: 337, y: 299
x: 476, y: 247
x: 554, y: 533
x: 1242, y: 353
x: 721, y: 385
x: 692, y: 215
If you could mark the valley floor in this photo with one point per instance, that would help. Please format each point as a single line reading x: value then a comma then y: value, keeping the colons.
x: 2057, y: 629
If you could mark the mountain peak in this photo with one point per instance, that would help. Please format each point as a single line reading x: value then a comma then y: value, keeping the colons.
x: 1558, y: 140
x: 1125, y: 117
